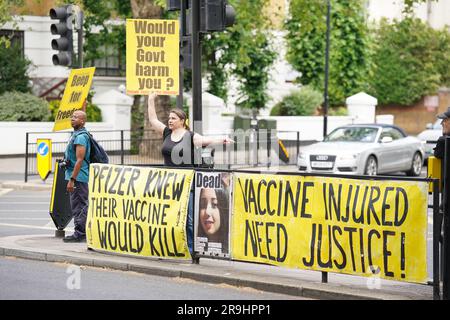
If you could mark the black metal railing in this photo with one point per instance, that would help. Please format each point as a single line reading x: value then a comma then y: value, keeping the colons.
x: 252, y: 148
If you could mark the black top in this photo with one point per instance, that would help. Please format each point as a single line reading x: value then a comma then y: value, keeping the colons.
x: 439, y: 150
x: 180, y: 153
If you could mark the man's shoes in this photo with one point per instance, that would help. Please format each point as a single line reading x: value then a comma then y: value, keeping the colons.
x: 72, y: 238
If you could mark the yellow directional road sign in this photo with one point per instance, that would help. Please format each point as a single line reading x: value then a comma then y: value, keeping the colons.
x: 44, y: 157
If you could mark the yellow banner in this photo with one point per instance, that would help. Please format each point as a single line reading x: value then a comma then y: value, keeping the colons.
x: 153, y: 56
x: 76, y: 91
x: 44, y: 157
x: 360, y: 227
x: 138, y: 211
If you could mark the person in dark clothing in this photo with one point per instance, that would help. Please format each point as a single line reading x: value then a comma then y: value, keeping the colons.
x: 178, y: 140
x: 439, y: 150
x: 178, y: 148
x: 77, y: 175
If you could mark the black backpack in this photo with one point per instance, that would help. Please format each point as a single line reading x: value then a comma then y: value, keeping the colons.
x: 98, y: 154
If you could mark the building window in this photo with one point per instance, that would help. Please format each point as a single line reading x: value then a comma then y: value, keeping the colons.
x: 15, y: 37
x: 112, y: 64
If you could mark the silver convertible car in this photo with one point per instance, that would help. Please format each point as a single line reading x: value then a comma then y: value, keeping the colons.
x: 364, y: 150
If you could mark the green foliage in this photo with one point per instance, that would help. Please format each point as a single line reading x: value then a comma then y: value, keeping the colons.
x: 13, y: 70
x: 338, y: 111
x: 19, y: 106
x: 243, y: 50
x: 93, y: 112
x: 109, y: 39
x: 6, y: 7
x: 409, y: 61
x: 348, y: 55
x: 409, y: 5
x: 303, y: 102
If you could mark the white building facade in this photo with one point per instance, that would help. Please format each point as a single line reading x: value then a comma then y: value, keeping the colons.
x: 44, y: 75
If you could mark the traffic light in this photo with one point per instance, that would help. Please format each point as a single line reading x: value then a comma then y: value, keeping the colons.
x: 218, y: 15
x: 215, y: 15
x: 186, y: 52
x: 64, y: 44
x: 173, y: 5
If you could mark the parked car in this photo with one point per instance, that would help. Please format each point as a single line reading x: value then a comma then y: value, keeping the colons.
x: 430, y: 136
x: 364, y: 150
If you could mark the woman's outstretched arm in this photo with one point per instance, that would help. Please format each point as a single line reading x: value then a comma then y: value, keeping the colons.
x: 202, y: 141
x: 156, y: 125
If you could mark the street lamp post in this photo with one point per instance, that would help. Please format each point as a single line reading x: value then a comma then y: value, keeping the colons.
x: 327, y: 56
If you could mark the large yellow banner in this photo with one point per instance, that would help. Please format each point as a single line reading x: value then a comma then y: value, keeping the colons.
x: 138, y: 211
x: 360, y: 227
x: 153, y: 56
x: 76, y: 91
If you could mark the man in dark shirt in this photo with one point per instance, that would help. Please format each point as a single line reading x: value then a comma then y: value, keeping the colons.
x: 439, y: 150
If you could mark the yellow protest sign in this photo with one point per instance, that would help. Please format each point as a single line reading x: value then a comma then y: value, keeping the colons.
x: 138, y: 211
x: 360, y: 227
x: 44, y: 157
x: 153, y: 56
x: 76, y: 91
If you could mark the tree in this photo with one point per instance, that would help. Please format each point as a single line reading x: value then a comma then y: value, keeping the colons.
x: 349, y: 53
x: 6, y: 8
x: 410, y: 60
x: 13, y: 69
x: 99, y: 13
x: 243, y: 50
x: 151, y: 9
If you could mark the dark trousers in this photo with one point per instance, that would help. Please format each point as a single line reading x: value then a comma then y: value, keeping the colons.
x: 79, y: 202
x: 190, y: 222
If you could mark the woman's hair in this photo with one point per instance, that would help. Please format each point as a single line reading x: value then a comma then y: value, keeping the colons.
x: 182, y: 115
x: 223, y: 206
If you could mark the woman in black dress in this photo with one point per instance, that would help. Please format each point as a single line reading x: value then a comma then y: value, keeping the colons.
x: 178, y: 148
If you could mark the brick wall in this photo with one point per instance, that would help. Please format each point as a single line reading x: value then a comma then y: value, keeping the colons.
x: 35, y: 8
x: 413, y: 119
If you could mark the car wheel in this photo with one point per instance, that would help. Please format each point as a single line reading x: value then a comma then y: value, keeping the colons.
x: 416, y: 165
x: 371, y: 168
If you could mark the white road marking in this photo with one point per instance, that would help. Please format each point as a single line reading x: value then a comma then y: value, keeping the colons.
x: 5, y: 202
x: 4, y: 191
x: 26, y: 219
x: 31, y: 227
x: 23, y: 211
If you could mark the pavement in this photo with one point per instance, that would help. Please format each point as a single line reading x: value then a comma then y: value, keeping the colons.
x: 295, y: 282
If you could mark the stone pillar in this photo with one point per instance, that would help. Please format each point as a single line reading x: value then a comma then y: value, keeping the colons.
x: 361, y: 107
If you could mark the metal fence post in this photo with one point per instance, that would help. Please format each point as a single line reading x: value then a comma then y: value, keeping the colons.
x: 122, y: 154
x: 269, y: 147
x: 436, y: 235
x: 446, y: 248
x: 26, y: 157
x: 324, y: 277
x: 298, y: 145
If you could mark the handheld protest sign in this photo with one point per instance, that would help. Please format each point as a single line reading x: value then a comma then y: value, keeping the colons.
x: 75, y: 94
x: 44, y: 157
x: 153, y: 56
x: 60, y: 210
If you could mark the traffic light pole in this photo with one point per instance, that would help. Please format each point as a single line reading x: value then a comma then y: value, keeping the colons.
x: 327, y: 54
x: 196, y: 68
x: 80, y: 40
x: 446, y: 224
x: 182, y: 35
